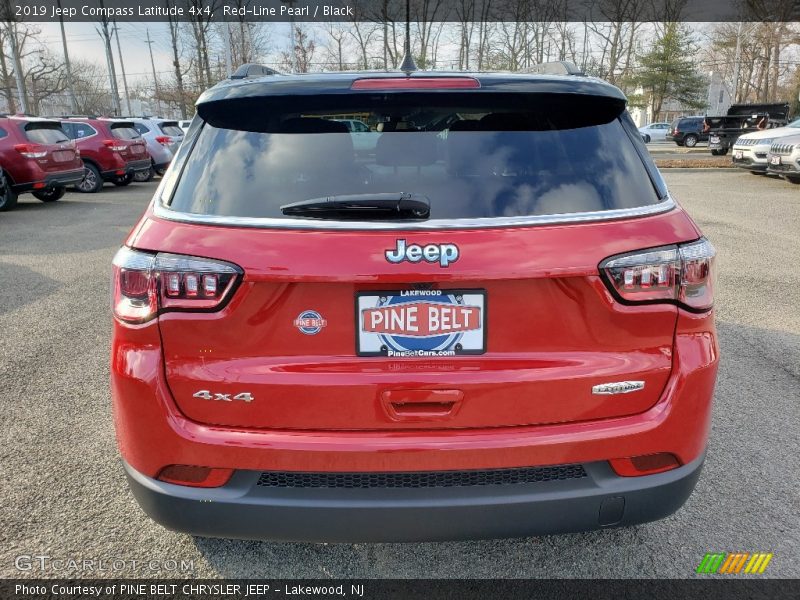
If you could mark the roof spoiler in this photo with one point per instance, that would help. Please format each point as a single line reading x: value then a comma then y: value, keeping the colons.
x: 250, y: 70
x: 557, y: 67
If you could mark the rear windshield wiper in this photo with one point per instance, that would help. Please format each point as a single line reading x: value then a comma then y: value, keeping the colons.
x: 393, y: 205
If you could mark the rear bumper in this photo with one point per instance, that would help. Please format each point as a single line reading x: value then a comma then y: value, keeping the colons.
x: 127, y: 168
x: 52, y: 180
x: 243, y: 509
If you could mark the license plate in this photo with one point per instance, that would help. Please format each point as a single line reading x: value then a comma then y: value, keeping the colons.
x: 738, y: 155
x: 774, y: 160
x: 138, y: 149
x: 714, y: 139
x: 421, y: 323
x: 63, y: 155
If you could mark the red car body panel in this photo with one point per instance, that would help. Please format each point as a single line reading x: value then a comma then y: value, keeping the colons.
x: 317, y: 383
x: 664, y: 420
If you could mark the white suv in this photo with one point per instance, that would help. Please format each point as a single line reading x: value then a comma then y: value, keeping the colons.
x: 751, y: 149
x: 784, y: 158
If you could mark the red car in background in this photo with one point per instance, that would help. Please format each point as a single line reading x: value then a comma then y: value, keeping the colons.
x: 111, y: 151
x: 35, y: 156
x: 499, y: 323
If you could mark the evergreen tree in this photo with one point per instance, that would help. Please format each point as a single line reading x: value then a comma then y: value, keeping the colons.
x: 667, y: 72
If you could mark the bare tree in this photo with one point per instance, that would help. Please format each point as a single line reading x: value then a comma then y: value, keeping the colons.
x: 176, y: 62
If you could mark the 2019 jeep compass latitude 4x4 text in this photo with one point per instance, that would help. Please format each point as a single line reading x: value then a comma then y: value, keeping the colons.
x: 498, y: 323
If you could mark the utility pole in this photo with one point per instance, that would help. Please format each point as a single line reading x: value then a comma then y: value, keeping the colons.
x: 227, y: 36
x: 291, y: 34
x: 736, y: 63
x: 155, y: 79
x: 122, y: 66
x: 112, y: 74
x: 72, y: 101
x: 12, y: 34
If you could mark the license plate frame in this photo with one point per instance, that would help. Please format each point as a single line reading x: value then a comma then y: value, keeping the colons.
x: 470, y: 341
x: 775, y: 159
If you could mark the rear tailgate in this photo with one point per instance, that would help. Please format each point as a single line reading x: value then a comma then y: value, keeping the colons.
x: 132, y: 144
x: 552, y: 332
x: 60, y: 151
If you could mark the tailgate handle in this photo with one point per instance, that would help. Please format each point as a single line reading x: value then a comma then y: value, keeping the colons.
x: 421, y: 405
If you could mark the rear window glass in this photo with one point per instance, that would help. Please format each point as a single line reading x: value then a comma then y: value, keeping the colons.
x: 125, y: 132
x: 171, y: 129
x: 45, y: 133
x: 471, y: 156
x: 141, y: 128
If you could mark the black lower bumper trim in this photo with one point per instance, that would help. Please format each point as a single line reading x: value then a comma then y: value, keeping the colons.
x: 51, y: 181
x: 242, y: 509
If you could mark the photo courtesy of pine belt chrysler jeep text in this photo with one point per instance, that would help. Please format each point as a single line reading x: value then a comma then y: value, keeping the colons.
x: 494, y: 321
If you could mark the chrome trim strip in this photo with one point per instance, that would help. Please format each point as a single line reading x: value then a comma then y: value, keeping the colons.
x: 159, y: 210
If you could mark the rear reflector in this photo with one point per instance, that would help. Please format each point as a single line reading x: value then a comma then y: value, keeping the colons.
x: 679, y: 274
x: 649, y: 464
x: 145, y: 284
x: 193, y: 476
x: 416, y: 83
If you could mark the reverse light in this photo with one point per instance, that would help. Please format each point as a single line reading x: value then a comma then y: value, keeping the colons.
x: 146, y: 284
x: 31, y: 150
x: 648, y: 464
x: 193, y: 476
x: 680, y: 274
x: 114, y: 145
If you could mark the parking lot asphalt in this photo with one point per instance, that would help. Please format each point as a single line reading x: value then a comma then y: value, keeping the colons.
x: 64, y: 494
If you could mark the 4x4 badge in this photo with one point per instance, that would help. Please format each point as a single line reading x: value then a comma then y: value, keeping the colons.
x: 444, y: 254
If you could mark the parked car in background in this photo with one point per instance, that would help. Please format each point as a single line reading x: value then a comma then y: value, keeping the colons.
x: 111, y: 150
x: 36, y: 156
x: 723, y: 131
x: 687, y: 131
x: 505, y: 331
x: 163, y: 138
x: 751, y: 150
x: 654, y: 132
x: 364, y: 140
x: 784, y: 158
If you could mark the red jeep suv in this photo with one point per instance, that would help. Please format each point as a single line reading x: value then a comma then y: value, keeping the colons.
x: 112, y: 151
x: 498, y: 324
x: 35, y: 156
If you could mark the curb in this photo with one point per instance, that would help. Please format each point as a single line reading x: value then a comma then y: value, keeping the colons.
x: 697, y: 169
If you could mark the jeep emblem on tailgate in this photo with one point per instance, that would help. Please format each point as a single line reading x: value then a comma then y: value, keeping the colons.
x: 444, y: 254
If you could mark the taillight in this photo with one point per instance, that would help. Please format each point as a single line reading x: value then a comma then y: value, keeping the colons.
x: 205, y: 477
x: 164, y: 140
x: 31, y: 150
x: 648, y: 464
x: 146, y: 284
x: 681, y: 274
x: 114, y: 145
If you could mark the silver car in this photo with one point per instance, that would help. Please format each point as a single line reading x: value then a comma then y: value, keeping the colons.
x: 163, y: 138
x: 784, y: 158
